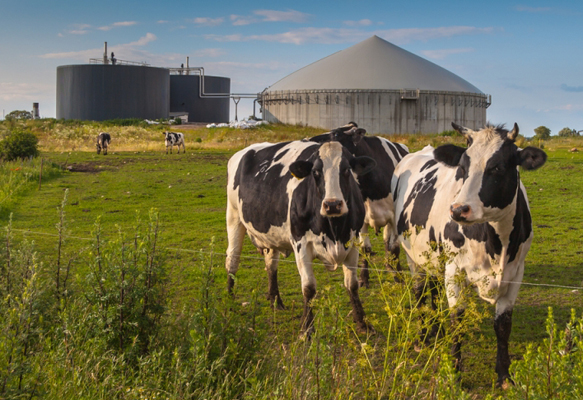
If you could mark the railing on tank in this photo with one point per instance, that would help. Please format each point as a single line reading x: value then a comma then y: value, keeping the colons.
x: 118, y: 62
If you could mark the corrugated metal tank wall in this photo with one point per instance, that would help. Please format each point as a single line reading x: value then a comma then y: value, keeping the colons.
x: 102, y: 92
x: 377, y: 111
x: 184, y: 97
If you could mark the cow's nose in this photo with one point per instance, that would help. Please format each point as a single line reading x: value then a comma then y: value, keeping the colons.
x: 333, y: 206
x: 460, y: 212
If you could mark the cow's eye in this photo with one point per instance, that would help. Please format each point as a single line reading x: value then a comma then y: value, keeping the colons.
x: 346, y: 172
x: 316, y: 173
x: 496, y: 170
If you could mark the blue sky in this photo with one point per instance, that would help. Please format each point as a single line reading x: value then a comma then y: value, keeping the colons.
x: 527, y: 55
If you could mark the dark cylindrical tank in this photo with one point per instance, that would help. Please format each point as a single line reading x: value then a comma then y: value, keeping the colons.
x: 184, y: 97
x: 101, y: 92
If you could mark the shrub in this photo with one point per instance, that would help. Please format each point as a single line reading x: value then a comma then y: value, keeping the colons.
x: 19, y: 114
x: 19, y: 144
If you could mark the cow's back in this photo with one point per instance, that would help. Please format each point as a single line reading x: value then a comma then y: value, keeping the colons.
x: 260, y: 188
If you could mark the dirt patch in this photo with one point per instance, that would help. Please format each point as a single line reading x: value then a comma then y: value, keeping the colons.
x: 90, y: 168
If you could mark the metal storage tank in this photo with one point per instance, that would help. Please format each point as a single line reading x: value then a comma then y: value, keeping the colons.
x: 382, y: 87
x: 185, y: 96
x: 101, y: 92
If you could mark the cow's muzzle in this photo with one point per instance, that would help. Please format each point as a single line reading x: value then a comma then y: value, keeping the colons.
x: 460, y: 212
x: 333, y: 207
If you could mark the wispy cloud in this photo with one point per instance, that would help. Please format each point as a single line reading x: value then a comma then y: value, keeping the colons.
x: 240, y: 20
x: 117, y: 25
x: 207, y: 21
x: 23, y: 91
x: 574, y: 89
x: 402, y: 36
x: 536, y: 10
x: 128, y: 51
x: 282, y: 16
x: 270, y: 16
x: 162, y: 21
x: 79, y: 29
x: 345, y: 35
x: 443, y: 53
x: 566, y: 107
x: 362, y: 22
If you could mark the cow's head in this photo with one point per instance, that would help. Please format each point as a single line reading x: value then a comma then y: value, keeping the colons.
x: 488, y: 168
x: 331, y: 169
x: 349, y: 135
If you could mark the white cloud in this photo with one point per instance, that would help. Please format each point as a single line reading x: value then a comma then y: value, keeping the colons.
x: 208, y: 21
x: 239, y: 20
x: 345, y: 35
x: 407, y: 35
x: 117, y: 25
x: 23, y: 91
x: 129, y: 51
x: 362, y: 22
x: 162, y: 21
x: 281, y: 16
x: 443, y: 53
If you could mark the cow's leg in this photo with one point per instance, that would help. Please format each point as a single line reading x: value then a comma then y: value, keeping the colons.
x: 456, y: 346
x: 235, y: 233
x: 503, y: 327
x: 183, y: 148
x: 453, y: 290
x: 304, y: 259
x: 105, y: 149
x: 271, y: 264
x: 366, y: 247
x: 392, y: 251
x: 351, y: 284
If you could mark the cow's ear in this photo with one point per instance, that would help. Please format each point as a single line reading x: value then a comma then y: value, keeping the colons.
x: 300, y: 169
x: 449, y: 154
x: 362, y: 165
x: 531, y: 158
x: 357, y: 135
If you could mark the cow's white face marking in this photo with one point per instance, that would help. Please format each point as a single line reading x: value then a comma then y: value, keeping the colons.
x: 331, y: 156
x: 484, y: 145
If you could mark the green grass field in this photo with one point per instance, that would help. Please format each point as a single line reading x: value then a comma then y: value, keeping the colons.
x: 188, y: 190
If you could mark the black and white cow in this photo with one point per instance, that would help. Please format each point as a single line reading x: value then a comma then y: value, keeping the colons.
x: 174, y: 139
x: 374, y: 186
x: 470, y: 202
x: 103, y: 140
x: 299, y: 197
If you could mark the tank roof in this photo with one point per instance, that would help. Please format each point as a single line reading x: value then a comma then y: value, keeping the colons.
x: 374, y: 64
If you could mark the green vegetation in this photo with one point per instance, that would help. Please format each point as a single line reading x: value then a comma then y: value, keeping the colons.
x: 112, y: 285
x: 18, y: 115
x: 542, y: 133
x: 18, y: 144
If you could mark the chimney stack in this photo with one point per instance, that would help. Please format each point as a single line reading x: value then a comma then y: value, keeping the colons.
x: 35, y: 112
x: 105, y: 59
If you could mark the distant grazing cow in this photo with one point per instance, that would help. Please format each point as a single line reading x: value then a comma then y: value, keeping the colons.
x: 103, y: 140
x: 174, y: 139
x: 471, y: 202
x: 374, y: 186
x: 301, y: 197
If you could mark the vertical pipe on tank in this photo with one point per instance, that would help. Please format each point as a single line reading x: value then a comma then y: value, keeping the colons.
x: 187, y: 65
x: 105, y: 61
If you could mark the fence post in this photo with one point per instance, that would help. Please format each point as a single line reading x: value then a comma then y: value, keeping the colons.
x: 40, y: 175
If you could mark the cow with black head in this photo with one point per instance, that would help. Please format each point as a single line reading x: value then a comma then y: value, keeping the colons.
x: 103, y: 140
x: 471, y: 203
x: 299, y: 197
x: 374, y: 186
x: 174, y: 139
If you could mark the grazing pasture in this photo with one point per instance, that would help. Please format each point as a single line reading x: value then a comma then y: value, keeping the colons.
x: 200, y: 342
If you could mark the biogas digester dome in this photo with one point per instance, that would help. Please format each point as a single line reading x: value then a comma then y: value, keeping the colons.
x: 381, y: 87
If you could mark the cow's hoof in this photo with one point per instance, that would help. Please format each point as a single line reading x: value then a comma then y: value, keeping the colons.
x: 505, y: 383
x: 363, y: 283
x: 365, y: 329
x: 276, y: 303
